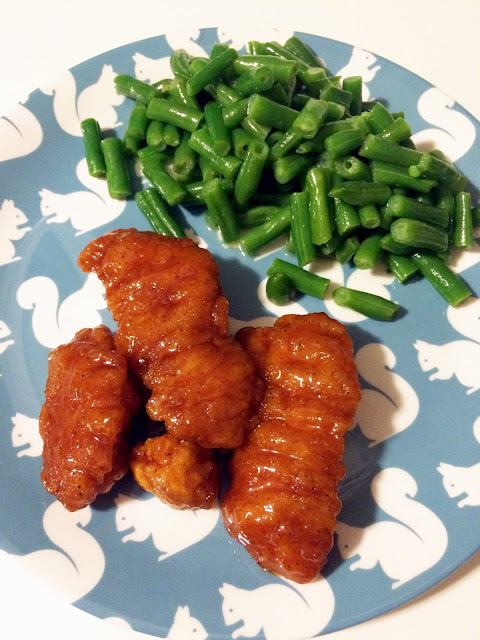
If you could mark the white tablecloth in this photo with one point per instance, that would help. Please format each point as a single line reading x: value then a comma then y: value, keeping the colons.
x: 437, y: 39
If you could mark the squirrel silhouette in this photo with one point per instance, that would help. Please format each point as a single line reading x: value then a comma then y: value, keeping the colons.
x: 53, y: 323
x: 288, y: 611
x: 11, y: 221
x: 25, y: 432
x: 460, y: 358
x: 393, y: 405
x: 238, y: 37
x: 463, y: 480
x: 172, y: 530
x: 86, y: 210
x: 4, y: 333
x: 454, y: 133
x: 186, y: 40
x: 151, y: 69
x: 79, y: 566
x: 184, y: 627
x: 20, y: 132
x: 95, y: 101
x: 404, y: 549
x: 361, y: 63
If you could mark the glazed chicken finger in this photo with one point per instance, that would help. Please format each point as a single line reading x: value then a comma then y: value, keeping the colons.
x: 282, y: 503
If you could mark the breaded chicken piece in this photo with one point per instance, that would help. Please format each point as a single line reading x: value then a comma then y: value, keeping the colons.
x: 89, y: 400
x: 173, y: 329
x: 283, y: 501
x: 178, y: 472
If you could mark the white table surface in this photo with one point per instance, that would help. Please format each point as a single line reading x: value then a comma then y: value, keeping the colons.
x: 437, y: 39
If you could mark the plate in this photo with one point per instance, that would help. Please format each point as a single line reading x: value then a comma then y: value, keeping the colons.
x: 411, y: 504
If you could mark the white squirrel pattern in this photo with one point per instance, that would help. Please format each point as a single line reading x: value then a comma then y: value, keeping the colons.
x: 95, y: 101
x: 460, y: 357
x: 186, y: 40
x: 12, y: 220
x: 151, y: 69
x: 238, y: 37
x: 454, y: 133
x: 404, y: 549
x: 361, y: 63
x: 20, y: 133
x: 25, y: 434
x: 86, y: 210
x: 393, y: 405
x: 293, y: 612
x: 172, y: 530
x: 4, y: 333
x: 463, y: 480
x: 79, y: 566
x: 53, y: 323
x: 184, y: 627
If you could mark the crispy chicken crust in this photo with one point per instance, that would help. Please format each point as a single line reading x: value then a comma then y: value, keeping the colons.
x: 282, y: 503
x: 89, y: 400
x: 178, y: 472
x: 173, y: 329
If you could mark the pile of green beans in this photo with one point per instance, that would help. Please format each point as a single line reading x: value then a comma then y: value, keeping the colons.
x: 272, y: 144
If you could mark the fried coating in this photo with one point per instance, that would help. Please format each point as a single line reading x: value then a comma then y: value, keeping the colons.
x: 283, y: 500
x: 173, y: 329
x: 178, y: 472
x: 89, y: 400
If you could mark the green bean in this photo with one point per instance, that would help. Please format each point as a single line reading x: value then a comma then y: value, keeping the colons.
x: 379, y: 118
x: 402, y: 267
x: 266, y: 232
x: 302, y: 51
x: 195, y: 191
x: 178, y: 93
x: 303, y: 281
x: 390, y: 245
x: 369, y: 216
x: 211, y: 71
x: 155, y: 135
x: 256, y: 215
x: 432, y: 167
x: 301, y: 230
x: 399, y: 206
x: 240, y: 141
x: 118, y: 178
x: 93, y: 151
x: 255, y: 80
x: 184, y: 158
x: 313, y: 78
x: 310, y: 118
x: 317, y: 144
x: 463, y: 225
x: 235, y: 113
x: 220, y: 209
x: 398, y: 131
x: 445, y: 200
x: 171, y: 135
x: 150, y: 154
x: 359, y: 192
x: 352, y: 168
x: 354, y: 85
x: 287, y: 142
x: 227, y: 165
x: 369, y: 252
x: 206, y: 169
x: 180, y: 64
x: 396, y: 176
x: 223, y: 93
x: 334, y: 94
x: 250, y: 172
x: 317, y: 184
x: 331, y: 246
x: 253, y: 128
x: 256, y: 48
x: 288, y: 167
x: 374, y: 148
x: 368, y: 304
x: 174, y: 113
x: 278, y: 289
x: 137, y: 122
x: 346, y: 249
x: 163, y: 182
x: 271, y: 114
x: 445, y: 281
x: 220, y: 135
x: 134, y: 89
x: 276, y: 49
x: 156, y: 211
x: 419, y: 234
x: 284, y: 71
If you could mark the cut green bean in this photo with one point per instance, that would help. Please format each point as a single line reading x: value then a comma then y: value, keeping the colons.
x: 285, y: 143
x: 184, y: 158
x: 301, y: 230
x: 284, y: 71
x: 156, y: 211
x: 271, y: 114
x: 92, y: 138
x: 240, y: 141
x: 303, y: 281
x: 255, y: 80
x: 317, y: 143
x: 402, y: 267
x: 379, y: 118
x: 266, y: 232
x: 155, y: 135
x: 369, y: 216
x: 435, y: 168
x: 256, y: 216
x: 137, y: 122
x: 150, y: 154
x: 118, y: 178
x: 375, y: 148
x: 354, y: 85
x: 310, y: 118
x: 390, y: 245
x: 448, y: 284
x: 194, y: 191
x: 334, y: 94
x: 228, y: 165
x: 369, y: 252
x: 250, y: 173
x: 174, y: 113
x: 180, y: 64
x: 346, y: 249
x: 398, y: 131
x: 368, y: 304
x: 396, y: 176
x: 208, y: 172
x: 178, y: 93
x: 172, y: 135
x: 235, y: 113
x: 163, y: 182
x: 135, y: 89
x: 253, y: 128
x: 331, y: 246
x: 221, y: 210
x: 220, y: 135
x: 360, y: 193
x: 352, y: 168
x: 399, y: 206
x: 317, y: 184
x: 462, y: 225
x: 211, y: 71
x: 418, y: 234
x: 290, y: 166
x: 279, y: 289
x: 296, y: 46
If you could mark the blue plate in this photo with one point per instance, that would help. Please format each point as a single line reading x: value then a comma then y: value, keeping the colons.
x: 411, y: 501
